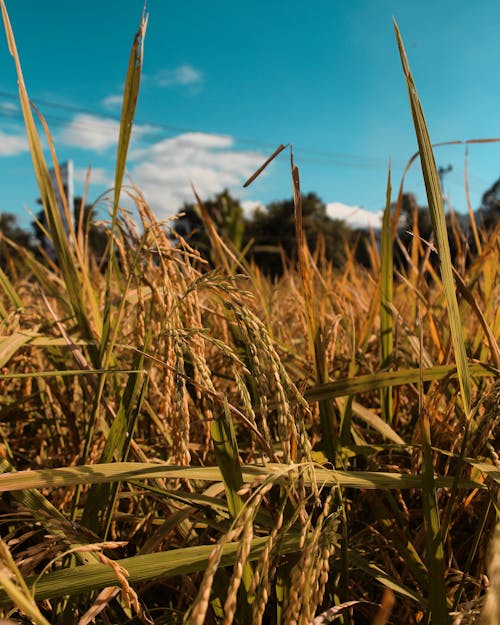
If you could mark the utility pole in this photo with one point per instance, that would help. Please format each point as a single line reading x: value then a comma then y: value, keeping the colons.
x: 442, y: 171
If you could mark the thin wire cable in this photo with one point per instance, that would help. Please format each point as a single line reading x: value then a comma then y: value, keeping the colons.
x: 338, y: 159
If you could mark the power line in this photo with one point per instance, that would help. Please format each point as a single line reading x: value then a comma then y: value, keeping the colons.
x: 325, y: 156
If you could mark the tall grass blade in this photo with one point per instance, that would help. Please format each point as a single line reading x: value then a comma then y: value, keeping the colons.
x: 58, y: 234
x: 438, y: 609
x: 436, y: 209
x: 107, y: 342
x: 91, y: 296
x: 472, y: 216
x: 130, y: 95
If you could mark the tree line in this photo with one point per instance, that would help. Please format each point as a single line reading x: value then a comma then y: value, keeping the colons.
x: 267, y: 236
x: 35, y: 239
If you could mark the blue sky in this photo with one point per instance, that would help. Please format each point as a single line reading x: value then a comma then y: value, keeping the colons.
x: 226, y: 82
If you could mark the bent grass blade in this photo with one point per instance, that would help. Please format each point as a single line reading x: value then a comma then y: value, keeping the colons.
x: 386, y: 303
x: 126, y: 471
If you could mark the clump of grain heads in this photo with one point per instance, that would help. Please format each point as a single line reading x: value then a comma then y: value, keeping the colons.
x: 272, y: 387
x: 309, y: 575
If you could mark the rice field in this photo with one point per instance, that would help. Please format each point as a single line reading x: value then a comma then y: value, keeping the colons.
x: 185, y: 443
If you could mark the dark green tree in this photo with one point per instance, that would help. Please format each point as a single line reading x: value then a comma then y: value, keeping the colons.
x: 272, y: 231
x: 226, y: 214
x: 9, y: 229
x: 95, y: 233
x: 490, y: 206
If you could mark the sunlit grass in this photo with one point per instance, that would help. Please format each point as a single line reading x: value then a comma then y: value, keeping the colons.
x: 210, y: 446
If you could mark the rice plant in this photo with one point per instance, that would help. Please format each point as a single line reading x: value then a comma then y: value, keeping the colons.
x: 191, y: 444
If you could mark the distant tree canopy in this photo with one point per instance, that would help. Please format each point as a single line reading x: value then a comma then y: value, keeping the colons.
x: 226, y: 214
x: 268, y: 236
x: 96, y: 234
x: 269, y: 233
x: 9, y: 229
x: 490, y: 205
x: 273, y: 231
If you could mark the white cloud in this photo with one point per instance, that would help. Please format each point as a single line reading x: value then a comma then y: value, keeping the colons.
x: 354, y: 216
x: 10, y: 145
x: 92, y: 132
x: 250, y: 206
x: 182, y: 147
x: 98, y: 175
x: 9, y: 107
x: 112, y: 101
x: 165, y: 171
x: 184, y: 76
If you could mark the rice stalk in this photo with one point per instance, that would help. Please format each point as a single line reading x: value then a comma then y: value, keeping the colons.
x: 316, y: 331
x: 386, y: 303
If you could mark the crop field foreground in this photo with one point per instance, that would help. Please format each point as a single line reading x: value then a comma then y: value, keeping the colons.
x: 185, y: 441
